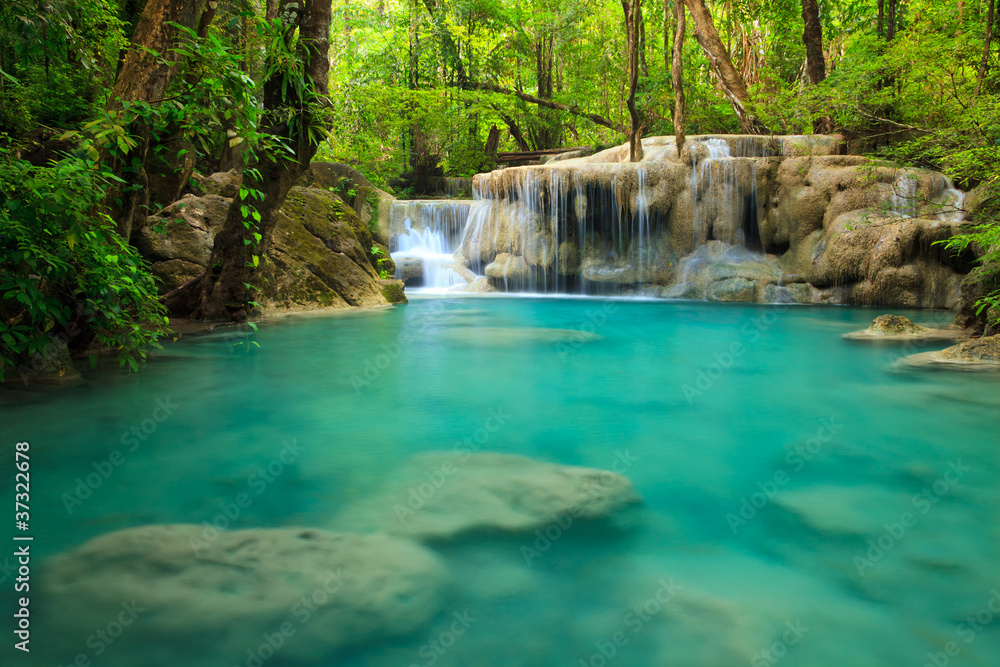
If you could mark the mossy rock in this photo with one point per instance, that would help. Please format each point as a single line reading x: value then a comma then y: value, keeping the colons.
x: 893, y: 325
x: 980, y: 350
x: 392, y: 290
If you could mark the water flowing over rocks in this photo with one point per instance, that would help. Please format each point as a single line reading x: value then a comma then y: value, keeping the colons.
x: 205, y: 597
x: 443, y: 496
x: 728, y: 219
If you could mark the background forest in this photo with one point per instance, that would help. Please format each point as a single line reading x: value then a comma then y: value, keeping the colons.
x: 420, y: 87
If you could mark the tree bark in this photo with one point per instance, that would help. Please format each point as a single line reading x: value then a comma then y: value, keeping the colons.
x: 812, y: 37
x: 984, y: 63
x: 550, y: 104
x: 677, y: 73
x: 289, y: 118
x: 632, y: 9
x: 733, y: 85
x: 881, y: 18
x: 144, y: 77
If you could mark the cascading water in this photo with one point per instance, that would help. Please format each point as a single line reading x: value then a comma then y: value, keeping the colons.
x: 425, y: 235
x: 688, y: 224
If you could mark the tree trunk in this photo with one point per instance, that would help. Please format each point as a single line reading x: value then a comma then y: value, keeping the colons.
x: 642, y: 42
x: 631, y: 9
x: 545, y: 131
x: 881, y: 18
x: 732, y: 83
x: 549, y: 104
x: 812, y: 37
x: 144, y: 77
x: 984, y: 63
x: 677, y: 73
x: 890, y: 32
x: 289, y: 118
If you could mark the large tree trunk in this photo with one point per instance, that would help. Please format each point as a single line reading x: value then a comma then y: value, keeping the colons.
x: 984, y: 63
x: 677, y: 72
x: 631, y: 9
x: 144, y: 76
x: 812, y: 37
x: 733, y: 86
x: 224, y: 294
x: 549, y: 104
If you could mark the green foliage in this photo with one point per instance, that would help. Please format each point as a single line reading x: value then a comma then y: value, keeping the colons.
x: 383, y: 273
x: 63, y: 268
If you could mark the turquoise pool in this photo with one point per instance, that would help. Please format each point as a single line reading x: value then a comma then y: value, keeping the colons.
x: 804, y: 502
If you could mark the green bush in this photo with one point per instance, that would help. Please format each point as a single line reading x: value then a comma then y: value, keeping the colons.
x: 64, y: 270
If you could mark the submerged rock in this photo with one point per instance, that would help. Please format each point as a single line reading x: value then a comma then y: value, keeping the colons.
x: 506, y: 336
x: 489, y: 493
x: 223, y: 595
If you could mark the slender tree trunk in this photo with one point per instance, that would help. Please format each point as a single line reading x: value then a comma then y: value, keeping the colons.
x: 144, y: 77
x: 881, y: 18
x: 677, y: 73
x: 631, y: 9
x: 984, y: 63
x: 666, y: 37
x: 223, y: 290
x: 891, y: 21
x: 733, y: 85
x: 642, y: 43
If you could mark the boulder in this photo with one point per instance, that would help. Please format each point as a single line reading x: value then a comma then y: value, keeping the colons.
x: 372, y: 205
x: 224, y: 183
x: 184, y: 230
x: 978, y: 354
x: 185, y: 586
x: 173, y: 273
x: 487, y: 492
x: 320, y: 255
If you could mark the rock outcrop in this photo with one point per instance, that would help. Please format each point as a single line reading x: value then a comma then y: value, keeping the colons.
x: 978, y: 354
x: 488, y: 493
x: 185, y: 586
x: 320, y: 256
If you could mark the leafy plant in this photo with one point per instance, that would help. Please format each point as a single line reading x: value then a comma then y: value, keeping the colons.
x: 63, y: 268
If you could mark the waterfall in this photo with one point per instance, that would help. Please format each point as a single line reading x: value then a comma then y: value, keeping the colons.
x: 424, y: 237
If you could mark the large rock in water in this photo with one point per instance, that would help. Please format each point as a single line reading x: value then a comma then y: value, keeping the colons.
x: 218, y: 598
x: 489, y: 493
